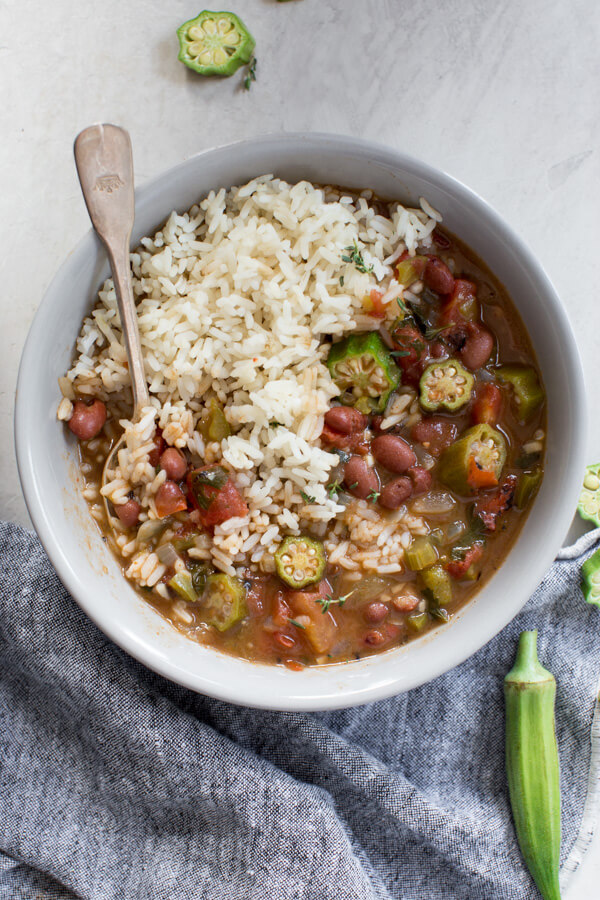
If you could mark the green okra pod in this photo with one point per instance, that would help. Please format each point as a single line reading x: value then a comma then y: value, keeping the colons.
x: 532, y: 764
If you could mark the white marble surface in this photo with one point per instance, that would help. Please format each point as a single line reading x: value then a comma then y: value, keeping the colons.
x: 504, y: 96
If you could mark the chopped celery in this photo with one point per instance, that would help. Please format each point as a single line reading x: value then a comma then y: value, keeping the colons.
x: 421, y: 554
x: 438, y: 583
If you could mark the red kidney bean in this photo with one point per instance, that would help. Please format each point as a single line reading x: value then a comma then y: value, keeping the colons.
x: 128, y: 512
x: 345, y: 419
x: 435, y: 433
x: 408, y: 601
x: 393, y: 452
x: 477, y: 348
x: 374, y: 638
x: 421, y: 479
x: 396, y: 492
x: 169, y: 499
x: 360, y: 478
x: 87, y: 419
x: 374, y: 613
x: 438, y: 276
x: 157, y: 451
x: 174, y: 463
x: 438, y: 350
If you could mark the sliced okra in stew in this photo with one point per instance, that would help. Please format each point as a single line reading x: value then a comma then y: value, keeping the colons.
x: 445, y: 385
x: 474, y: 461
x: 590, y: 578
x: 527, y: 392
x: 300, y: 561
x: 224, y: 601
x: 589, y: 499
x: 364, y: 370
x: 215, y: 43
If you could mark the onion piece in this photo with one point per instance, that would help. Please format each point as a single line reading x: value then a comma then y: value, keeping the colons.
x: 167, y: 554
x: 150, y: 529
x: 435, y: 503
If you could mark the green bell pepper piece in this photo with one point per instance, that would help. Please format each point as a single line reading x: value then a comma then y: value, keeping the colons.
x: 437, y: 581
x: 445, y: 385
x: 215, y: 43
x: 527, y: 392
x: 527, y: 487
x: 481, y: 450
x: 417, y: 621
x: 182, y: 584
x: 364, y: 370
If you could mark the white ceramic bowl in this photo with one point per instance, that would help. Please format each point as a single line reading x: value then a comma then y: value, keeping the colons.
x: 47, y: 453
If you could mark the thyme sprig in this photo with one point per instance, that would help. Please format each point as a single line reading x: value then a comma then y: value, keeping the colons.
x: 329, y: 600
x: 354, y: 256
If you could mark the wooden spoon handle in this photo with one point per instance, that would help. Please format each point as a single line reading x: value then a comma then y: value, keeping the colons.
x: 105, y: 168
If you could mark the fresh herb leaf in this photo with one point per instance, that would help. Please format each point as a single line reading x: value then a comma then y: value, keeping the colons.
x: 334, y: 488
x: 372, y: 496
x: 275, y: 424
x: 251, y: 75
x: 418, y: 346
x: 353, y: 255
x: 341, y: 281
x: 307, y: 497
x: 400, y: 353
x: 329, y: 600
x: 352, y: 486
x: 402, y: 305
x: 297, y: 624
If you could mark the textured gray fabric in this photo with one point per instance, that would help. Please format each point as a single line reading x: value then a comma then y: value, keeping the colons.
x: 118, y: 784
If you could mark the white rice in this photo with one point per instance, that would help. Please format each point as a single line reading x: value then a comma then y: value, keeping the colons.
x: 236, y: 298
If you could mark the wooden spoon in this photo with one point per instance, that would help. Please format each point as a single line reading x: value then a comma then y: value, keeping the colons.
x: 105, y: 168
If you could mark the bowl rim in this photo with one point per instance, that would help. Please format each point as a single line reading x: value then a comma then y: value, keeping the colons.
x: 303, y: 700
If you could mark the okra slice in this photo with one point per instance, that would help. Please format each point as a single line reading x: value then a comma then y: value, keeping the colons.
x: 445, y: 385
x: 300, y: 561
x: 527, y: 392
x: 473, y: 462
x: 590, y: 578
x: 589, y: 499
x: 215, y: 43
x: 364, y: 370
x: 224, y: 601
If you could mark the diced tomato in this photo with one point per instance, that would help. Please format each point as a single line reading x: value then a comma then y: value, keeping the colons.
x: 487, y: 404
x: 225, y: 502
x: 458, y: 568
x: 354, y: 442
x: 321, y: 628
x: 462, y: 305
x: 375, y: 307
x: 490, y: 507
x: 479, y: 478
x: 280, y: 610
x: 158, y: 449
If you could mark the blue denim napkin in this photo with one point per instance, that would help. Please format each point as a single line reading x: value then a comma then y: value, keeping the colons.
x: 118, y: 784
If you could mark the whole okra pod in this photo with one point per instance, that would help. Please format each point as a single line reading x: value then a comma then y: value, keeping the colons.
x: 532, y: 764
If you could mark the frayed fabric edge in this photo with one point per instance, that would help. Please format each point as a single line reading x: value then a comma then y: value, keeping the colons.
x: 591, y: 807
